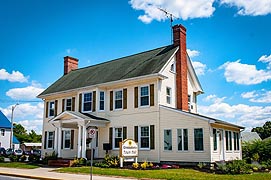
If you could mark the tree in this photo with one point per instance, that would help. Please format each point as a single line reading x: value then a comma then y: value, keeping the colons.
x: 265, y: 131
x: 34, y: 137
x: 21, y: 133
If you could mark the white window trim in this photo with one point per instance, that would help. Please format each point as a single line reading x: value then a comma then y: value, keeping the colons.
x: 202, y: 140
x: 49, y: 108
x: 174, y: 67
x: 229, y: 140
x: 114, y: 128
x: 170, y: 95
x: 171, y: 140
x: 47, y: 140
x: 182, y: 140
x: 64, y: 129
x: 100, y: 101
x: 139, y: 96
x: 114, y: 100
x: 139, y: 137
x: 65, y: 106
x: 82, y: 105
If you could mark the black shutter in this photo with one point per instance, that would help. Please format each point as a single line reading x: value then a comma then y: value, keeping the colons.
x: 46, y: 110
x: 152, y: 95
x: 80, y: 102
x: 110, y: 137
x: 124, y: 98
x: 62, y: 133
x: 72, y: 138
x: 56, y: 107
x: 136, y: 97
x: 73, y: 103
x: 152, y: 139
x: 136, y: 133
x: 124, y: 133
x: 63, y: 105
x: 53, y: 139
x: 111, y: 100
x: 94, y: 101
x: 45, y: 139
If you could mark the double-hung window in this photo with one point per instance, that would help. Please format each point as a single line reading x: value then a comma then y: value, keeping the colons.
x: 215, y: 139
x: 87, y: 101
x: 51, y: 108
x: 2, y: 132
x: 67, y: 139
x: 50, y: 140
x: 167, y: 139
x: 182, y: 139
x: 198, y: 139
x: 118, y: 99
x: 228, y: 141
x: 68, y: 104
x: 144, y: 96
x: 101, y: 103
x: 236, y: 141
x: 144, y: 137
x: 168, y: 95
x: 118, y: 134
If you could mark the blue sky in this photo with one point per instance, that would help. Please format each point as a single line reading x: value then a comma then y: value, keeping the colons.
x: 228, y: 42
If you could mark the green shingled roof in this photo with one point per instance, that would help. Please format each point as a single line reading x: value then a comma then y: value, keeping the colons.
x: 145, y: 63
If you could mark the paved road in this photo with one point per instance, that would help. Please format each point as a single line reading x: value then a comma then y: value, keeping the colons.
x: 12, y: 178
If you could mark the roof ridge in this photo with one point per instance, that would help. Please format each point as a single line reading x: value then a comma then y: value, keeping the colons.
x: 105, y: 62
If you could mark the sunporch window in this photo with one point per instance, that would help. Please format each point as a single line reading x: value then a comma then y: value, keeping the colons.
x: 198, y: 139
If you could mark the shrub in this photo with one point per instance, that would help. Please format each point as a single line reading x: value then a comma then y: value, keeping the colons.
x: 135, y: 165
x: 2, y: 158
x: 47, y: 157
x: 235, y: 167
x: 13, y: 158
x: 109, y: 161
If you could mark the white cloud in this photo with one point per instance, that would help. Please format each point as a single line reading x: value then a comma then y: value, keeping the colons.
x: 180, y: 9
x: 199, y: 67
x: 266, y: 59
x: 262, y: 96
x: 29, y: 125
x: 213, y: 98
x: 250, y: 7
x: 15, y: 76
x: 192, y: 53
x: 241, y: 114
x: 244, y: 73
x: 29, y: 92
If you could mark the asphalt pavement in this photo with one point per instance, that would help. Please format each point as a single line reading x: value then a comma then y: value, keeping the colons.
x: 46, y: 173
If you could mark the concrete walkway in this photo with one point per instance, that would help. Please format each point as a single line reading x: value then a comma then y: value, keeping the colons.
x: 45, y: 173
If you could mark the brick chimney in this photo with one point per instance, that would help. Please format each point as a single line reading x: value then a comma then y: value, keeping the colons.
x: 70, y: 64
x: 179, y: 39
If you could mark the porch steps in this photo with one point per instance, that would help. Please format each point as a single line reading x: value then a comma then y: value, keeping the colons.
x: 60, y: 162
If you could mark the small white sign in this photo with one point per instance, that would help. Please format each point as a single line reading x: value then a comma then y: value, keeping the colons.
x: 129, y: 148
x: 91, y: 133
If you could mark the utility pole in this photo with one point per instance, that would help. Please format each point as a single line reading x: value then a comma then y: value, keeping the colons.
x: 11, y: 130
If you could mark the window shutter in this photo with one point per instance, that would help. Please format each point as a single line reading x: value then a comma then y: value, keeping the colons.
x: 80, y: 102
x: 152, y: 139
x: 72, y: 138
x: 110, y: 137
x: 94, y: 101
x: 62, y: 133
x: 136, y: 97
x: 56, y: 107
x: 152, y: 95
x: 73, y: 103
x: 124, y: 133
x: 111, y: 100
x: 46, y: 110
x: 45, y: 139
x: 124, y: 98
x: 63, y: 105
x: 53, y: 139
x: 136, y: 133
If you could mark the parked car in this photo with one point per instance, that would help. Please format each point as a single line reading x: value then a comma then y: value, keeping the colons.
x: 18, y: 152
x: 2, y: 151
x: 9, y: 151
x: 37, y: 152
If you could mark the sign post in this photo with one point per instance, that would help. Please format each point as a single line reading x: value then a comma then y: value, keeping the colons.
x: 91, y: 134
x: 128, y: 151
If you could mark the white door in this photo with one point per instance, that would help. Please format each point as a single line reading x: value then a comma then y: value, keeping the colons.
x: 221, y: 145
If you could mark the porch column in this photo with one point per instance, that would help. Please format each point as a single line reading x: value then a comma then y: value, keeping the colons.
x: 59, y: 141
x: 84, y: 148
x: 55, y: 140
x: 79, y: 145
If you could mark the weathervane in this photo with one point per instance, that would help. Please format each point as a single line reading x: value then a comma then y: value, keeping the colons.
x: 170, y: 16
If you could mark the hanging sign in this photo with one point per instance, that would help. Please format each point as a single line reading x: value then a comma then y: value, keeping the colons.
x: 91, y: 133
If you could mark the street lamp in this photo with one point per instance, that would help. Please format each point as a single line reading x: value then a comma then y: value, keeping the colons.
x: 11, y: 131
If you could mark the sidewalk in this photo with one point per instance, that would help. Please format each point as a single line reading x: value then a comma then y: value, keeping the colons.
x: 45, y: 173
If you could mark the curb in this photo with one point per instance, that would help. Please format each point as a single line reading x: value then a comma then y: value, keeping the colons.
x: 28, y: 176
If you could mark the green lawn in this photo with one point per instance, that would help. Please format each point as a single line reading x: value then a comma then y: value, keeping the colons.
x: 169, y: 174
x: 18, y: 165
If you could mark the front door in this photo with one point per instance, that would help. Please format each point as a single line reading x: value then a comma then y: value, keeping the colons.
x: 93, y: 145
